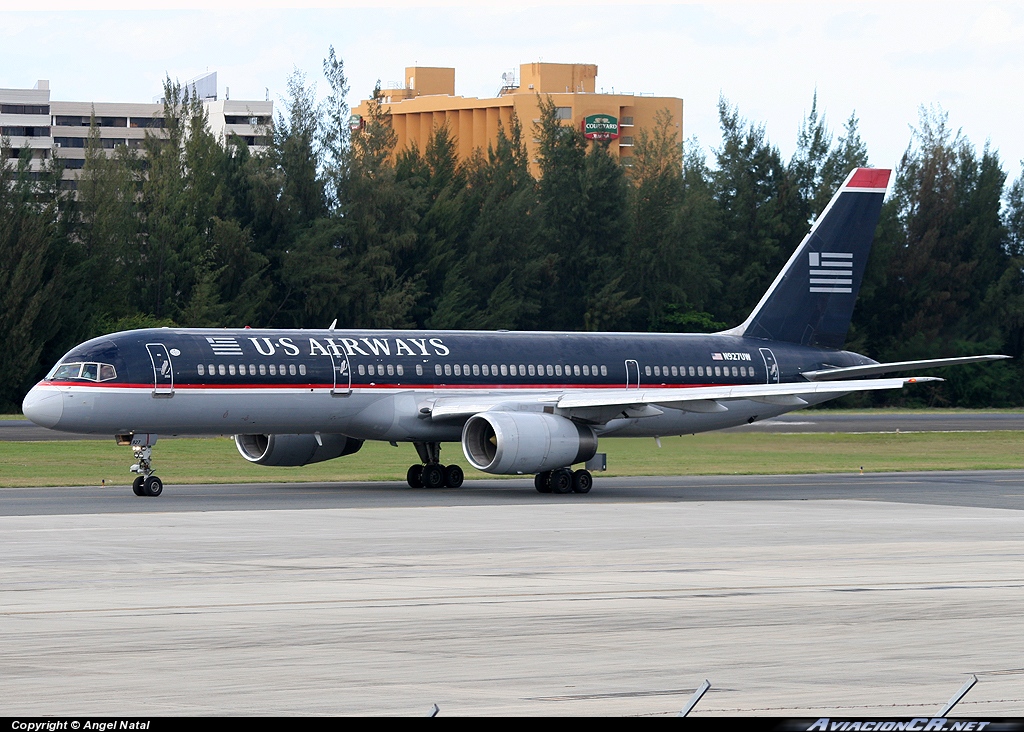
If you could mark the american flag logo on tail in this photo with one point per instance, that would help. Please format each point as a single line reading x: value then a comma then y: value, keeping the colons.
x: 831, y: 271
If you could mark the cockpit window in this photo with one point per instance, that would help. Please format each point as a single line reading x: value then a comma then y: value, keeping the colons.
x: 84, y: 371
x: 66, y: 371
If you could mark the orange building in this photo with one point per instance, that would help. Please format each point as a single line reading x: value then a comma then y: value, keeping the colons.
x: 427, y: 101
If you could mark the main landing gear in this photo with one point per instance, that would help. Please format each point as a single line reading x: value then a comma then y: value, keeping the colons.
x: 146, y: 484
x: 432, y: 474
x: 564, y: 480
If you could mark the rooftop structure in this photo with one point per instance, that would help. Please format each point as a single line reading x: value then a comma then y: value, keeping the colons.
x: 426, y: 100
x: 28, y: 118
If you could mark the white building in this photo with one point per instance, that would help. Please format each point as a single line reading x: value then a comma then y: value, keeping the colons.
x: 28, y: 118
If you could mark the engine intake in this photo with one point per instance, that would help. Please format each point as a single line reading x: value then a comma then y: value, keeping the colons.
x: 515, y: 443
x: 294, y: 450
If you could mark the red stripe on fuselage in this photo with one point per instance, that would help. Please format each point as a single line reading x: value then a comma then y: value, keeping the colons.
x: 408, y: 387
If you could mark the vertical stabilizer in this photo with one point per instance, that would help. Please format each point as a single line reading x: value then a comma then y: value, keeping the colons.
x: 811, y: 301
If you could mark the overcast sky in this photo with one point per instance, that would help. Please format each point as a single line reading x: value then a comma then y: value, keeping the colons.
x: 882, y: 60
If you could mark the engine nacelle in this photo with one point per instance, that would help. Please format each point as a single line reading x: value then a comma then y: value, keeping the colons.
x: 294, y: 450
x: 514, y: 443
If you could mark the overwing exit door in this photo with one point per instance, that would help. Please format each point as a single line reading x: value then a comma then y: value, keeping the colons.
x: 632, y: 374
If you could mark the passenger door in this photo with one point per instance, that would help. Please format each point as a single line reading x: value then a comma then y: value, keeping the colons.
x: 163, y: 370
x: 771, y: 366
x: 341, y: 369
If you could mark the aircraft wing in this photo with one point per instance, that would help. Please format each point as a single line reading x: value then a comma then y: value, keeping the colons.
x: 602, y: 405
x: 853, y: 372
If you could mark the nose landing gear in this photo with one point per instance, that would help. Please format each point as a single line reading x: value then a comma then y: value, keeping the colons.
x: 146, y: 484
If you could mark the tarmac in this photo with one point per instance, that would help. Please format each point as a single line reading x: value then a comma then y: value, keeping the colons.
x: 796, y: 596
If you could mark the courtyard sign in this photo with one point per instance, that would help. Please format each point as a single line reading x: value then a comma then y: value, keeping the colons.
x: 600, y: 127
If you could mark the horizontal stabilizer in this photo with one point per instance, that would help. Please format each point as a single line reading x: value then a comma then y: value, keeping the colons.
x: 854, y: 372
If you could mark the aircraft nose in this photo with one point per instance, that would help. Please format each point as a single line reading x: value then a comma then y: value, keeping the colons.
x: 44, y: 405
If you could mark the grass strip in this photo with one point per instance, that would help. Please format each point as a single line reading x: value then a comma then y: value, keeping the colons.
x: 713, y: 453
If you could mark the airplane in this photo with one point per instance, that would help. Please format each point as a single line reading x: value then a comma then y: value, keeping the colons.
x: 519, y: 403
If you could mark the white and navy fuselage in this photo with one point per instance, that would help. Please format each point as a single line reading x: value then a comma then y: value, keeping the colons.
x: 382, y: 385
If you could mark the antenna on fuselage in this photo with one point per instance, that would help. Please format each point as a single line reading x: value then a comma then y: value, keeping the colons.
x: 333, y: 323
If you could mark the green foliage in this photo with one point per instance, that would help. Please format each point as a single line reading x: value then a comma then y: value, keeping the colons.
x: 329, y: 223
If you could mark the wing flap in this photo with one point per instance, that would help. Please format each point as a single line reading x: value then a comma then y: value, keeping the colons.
x: 698, y: 397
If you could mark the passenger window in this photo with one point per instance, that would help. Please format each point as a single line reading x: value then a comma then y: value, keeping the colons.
x: 647, y: 370
x: 458, y: 370
x: 465, y: 369
x: 675, y: 371
x: 391, y: 369
x: 718, y: 370
x: 576, y: 370
x: 586, y: 370
x: 302, y: 369
x: 231, y: 369
x: 447, y: 369
x: 691, y: 371
x: 437, y: 369
x: 604, y: 370
x: 504, y: 370
x: 485, y: 370
x: 735, y: 371
x: 202, y: 370
x: 273, y: 370
x: 291, y: 369
x: 551, y: 370
x: 657, y: 371
x: 532, y: 370
x: 476, y: 369
x: 362, y: 370
x: 401, y: 371
x: 494, y: 369
x: 700, y: 371
x: 263, y: 369
x: 419, y: 369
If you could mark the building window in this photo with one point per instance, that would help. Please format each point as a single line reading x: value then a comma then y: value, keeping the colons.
x: 563, y: 112
x: 147, y: 122
x: 24, y: 109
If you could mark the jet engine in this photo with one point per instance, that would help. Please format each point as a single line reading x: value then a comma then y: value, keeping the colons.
x: 515, y: 443
x: 294, y: 450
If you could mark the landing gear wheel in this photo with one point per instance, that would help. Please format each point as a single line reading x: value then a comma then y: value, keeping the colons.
x: 453, y: 476
x: 561, y: 481
x: 415, y: 476
x: 582, y: 481
x: 433, y: 476
x: 152, y: 486
x: 540, y: 482
x: 137, y: 486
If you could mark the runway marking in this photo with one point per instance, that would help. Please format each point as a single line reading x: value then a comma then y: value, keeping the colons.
x: 653, y: 593
x: 615, y: 695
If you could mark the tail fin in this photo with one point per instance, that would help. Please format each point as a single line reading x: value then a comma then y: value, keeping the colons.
x: 811, y: 301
